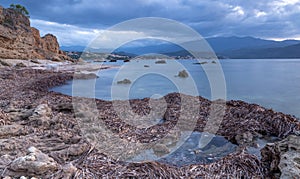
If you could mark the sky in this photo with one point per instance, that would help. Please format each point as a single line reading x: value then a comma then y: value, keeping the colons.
x: 77, y: 22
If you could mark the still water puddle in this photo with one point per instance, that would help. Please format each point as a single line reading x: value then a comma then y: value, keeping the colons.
x: 190, y: 153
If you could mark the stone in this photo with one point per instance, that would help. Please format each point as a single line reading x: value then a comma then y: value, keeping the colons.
x: 20, y: 65
x: 183, y: 74
x: 283, y: 157
x: 125, y: 81
x: 244, y: 138
x: 43, y: 110
x: 290, y: 165
x: 160, y: 62
x: 85, y: 76
x: 35, y: 162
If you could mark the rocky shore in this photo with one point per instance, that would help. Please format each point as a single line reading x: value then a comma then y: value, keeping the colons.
x: 40, y: 136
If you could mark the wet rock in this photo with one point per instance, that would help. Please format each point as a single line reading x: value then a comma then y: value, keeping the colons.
x: 35, y: 163
x: 85, y: 76
x: 183, y: 74
x: 200, y: 63
x: 125, y: 81
x: 160, y: 62
x: 282, y: 158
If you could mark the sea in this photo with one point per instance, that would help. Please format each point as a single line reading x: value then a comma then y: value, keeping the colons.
x: 271, y: 83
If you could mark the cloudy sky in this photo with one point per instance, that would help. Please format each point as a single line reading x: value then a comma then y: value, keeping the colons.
x: 77, y: 22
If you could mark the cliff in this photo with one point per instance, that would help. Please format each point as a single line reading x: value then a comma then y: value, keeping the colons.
x: 20, y: 41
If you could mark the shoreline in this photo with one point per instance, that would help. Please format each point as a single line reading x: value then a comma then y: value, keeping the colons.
x: 30, y: 115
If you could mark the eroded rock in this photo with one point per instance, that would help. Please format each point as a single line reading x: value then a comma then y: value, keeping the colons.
x: 282, y: 158
x: 35, y: 163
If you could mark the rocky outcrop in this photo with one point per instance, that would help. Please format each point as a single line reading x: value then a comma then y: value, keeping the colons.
x: 20, y: 41
x: 283, y: 158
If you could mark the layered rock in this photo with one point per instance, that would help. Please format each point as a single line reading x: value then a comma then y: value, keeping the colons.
x: 20, y: 41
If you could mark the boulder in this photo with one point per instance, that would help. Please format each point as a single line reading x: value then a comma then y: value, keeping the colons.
x: 85, y: 76
x: 125, y: 81
x: 183, y: 74
x: 35, y: 163
x: 160, y: 62
x: 283, y: 158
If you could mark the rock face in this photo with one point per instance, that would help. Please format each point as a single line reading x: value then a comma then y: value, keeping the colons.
x: 283, y: 157
x: 20, y: 41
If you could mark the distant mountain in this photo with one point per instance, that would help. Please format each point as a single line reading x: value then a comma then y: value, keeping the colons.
x: 291, y: 51
x: 220, y: 44
x: 228, y: 47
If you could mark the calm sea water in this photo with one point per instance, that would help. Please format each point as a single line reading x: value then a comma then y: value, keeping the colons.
x: 272, y: 83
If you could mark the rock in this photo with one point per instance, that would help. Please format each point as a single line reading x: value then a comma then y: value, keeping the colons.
x: 125, y: 81
x: 20, y: 65
x: 146, y: 66
x: 69, y: 170
x: 161, y: 149
x: 20, y: 41
x: 85, y: 76
x: 183, y: 74
x: 283, y: 157
x: 65, y: 107
x: 35, y: 162
x: 244, y: 138
x: 35, y: 61
x: 42, y: 110
x: 214, y: 62
x: 290, y: 165
x: 160, y: 62
x: 200, y: 63
x: 10, y: 130
x: 3, y: 63
x: 56, y: 59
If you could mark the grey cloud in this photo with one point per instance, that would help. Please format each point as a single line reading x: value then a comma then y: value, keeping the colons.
x: 268, y: 18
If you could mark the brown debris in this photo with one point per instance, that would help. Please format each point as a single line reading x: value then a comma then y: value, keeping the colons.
x: 30, y: 115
